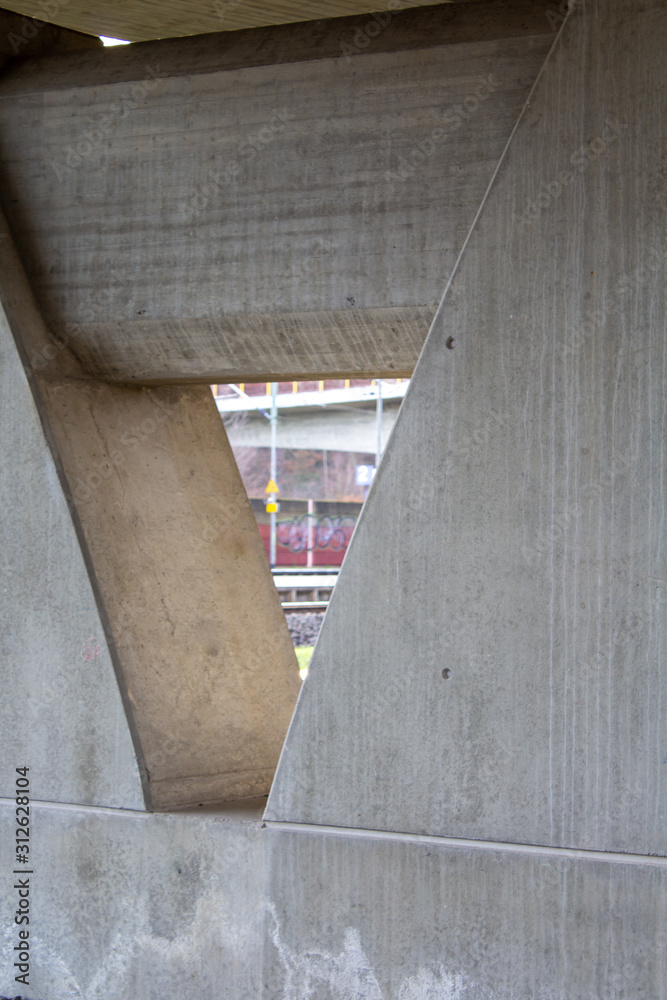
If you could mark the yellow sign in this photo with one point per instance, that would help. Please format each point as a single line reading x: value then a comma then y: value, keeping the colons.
x: 272, y: 487
x: 272, y: 507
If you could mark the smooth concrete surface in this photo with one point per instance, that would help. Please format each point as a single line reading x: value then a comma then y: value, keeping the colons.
x: 346, y: 428
x: 61, y: 712
x: 357, y: 919
x: 200, y: 645
x: 213, y: 906
x: 514, y: 536
x: 261, y: 204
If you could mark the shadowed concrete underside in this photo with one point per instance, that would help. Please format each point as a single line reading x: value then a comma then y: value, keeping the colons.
x: 262, y: 204
x: 142, y: 20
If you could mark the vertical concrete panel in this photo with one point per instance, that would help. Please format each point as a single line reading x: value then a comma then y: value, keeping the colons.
x: 515, y: 535
x: 60, y: 712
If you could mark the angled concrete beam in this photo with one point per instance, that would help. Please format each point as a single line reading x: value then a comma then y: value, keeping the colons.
x: 204, y: 662
x: 280, y: 202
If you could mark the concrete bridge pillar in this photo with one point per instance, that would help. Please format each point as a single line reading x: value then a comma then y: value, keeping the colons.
x: 491, y: 672
x: 470, y: 802
x: 179, y: 596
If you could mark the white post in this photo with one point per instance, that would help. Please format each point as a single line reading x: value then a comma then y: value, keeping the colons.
x: 274, y: 435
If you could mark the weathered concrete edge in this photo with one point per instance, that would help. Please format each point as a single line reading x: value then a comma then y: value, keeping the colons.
x: 571, y: 853
x: 168, y: 794
x: 228, y: 812
x: 233, y: 353
x: 77, y: 807
x: 303, y: 41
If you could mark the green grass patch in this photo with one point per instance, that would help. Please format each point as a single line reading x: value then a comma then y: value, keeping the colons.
x: 303, y: 655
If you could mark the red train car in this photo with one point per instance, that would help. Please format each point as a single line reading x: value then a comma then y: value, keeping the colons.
x: 316, y: 537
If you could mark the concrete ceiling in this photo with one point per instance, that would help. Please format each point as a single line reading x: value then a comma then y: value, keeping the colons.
x: 142, y: 20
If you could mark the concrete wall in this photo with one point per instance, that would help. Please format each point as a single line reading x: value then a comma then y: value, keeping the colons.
x: 200, y: 645
x: 61, y: 711
x: 491, y: 668
x: 213, y: 905
x: 398, y: 919
x: 514, y: 535
x: 469, y: 802
x: 235, y: 207
x: 125, y: 904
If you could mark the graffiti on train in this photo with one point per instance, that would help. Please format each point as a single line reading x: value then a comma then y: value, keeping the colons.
x: 308, y: 532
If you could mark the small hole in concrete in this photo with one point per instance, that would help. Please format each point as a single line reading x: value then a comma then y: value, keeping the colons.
x: 446, y: 673
x: 450, y: 343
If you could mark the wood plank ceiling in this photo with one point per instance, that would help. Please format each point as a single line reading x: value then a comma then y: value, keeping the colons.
x: 142, y: 20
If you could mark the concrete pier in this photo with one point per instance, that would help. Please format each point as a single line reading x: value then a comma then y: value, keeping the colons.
x: 188, y: 611
x: 469, y: 800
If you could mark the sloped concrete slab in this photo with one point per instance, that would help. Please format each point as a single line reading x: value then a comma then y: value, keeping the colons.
x: 514, y: 538
x: 206, y: 657
x: 61, y: 711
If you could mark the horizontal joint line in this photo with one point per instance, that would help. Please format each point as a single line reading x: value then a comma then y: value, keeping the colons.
x: 76, y: 807
x: 571, y: 853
